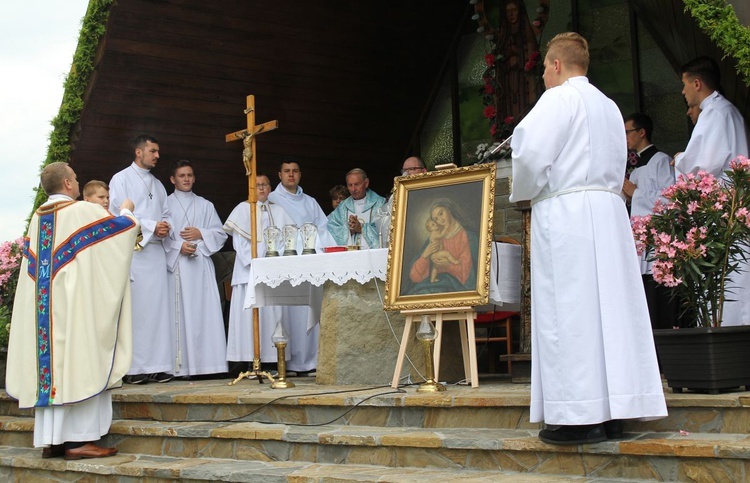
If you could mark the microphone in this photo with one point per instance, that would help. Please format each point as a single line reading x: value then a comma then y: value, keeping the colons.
x: 486, y: 158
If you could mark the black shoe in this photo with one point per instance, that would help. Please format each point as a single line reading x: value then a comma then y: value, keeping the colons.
x: 613, y: 428
x: 136, y: 379
x: 160, y: 377
x: 583, y: 434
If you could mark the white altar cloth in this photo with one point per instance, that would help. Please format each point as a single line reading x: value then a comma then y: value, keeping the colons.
x: 299, y: 279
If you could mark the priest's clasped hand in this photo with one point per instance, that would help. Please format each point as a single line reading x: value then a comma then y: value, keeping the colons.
x: 355, y: 226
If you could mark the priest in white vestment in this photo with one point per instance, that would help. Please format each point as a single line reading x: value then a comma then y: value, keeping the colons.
x: 593, y: 357
x: 70, y: 334
x: 720, y: 135
x: 152, y: 334
x: 353, y: 221
x: 198, y: 338
x: 240, y: 342
x: 303, y: 336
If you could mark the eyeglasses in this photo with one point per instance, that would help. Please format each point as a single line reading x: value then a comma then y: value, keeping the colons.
x: 263, y: 185
x: 634, y: 129
x: 411, y: 170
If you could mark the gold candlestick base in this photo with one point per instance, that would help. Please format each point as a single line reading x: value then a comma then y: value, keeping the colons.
x: 281, y: 382
x: 430, y: 385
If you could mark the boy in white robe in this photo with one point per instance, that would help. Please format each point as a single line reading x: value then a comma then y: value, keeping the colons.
x: 720, y: 135
x: 593, y: 359
x: 70, y: 335
x: 152, y: 335
x: 240, y: 340
x: 303, y: 336
x: 198, y: 340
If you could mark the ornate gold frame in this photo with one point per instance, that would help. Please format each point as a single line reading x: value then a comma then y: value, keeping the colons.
x: 440, y: 182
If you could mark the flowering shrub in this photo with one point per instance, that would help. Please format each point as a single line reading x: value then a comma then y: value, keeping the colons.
x: 10, y: 265
x: 698, y: 238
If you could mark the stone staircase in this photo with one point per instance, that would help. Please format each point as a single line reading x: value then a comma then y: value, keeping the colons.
x: 206, y: 430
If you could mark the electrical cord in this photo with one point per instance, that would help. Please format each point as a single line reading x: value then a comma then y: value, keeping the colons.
x: 244, y: 417
x: 393, y: 331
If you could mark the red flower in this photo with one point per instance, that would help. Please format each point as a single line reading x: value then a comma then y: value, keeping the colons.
x: 489, y: 59
x: 490, y: 112
x: 494, y: 129
x: 488, y: 89
x: 508, y: 120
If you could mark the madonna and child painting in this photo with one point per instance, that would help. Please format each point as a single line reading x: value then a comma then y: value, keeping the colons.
x: 441, y: 238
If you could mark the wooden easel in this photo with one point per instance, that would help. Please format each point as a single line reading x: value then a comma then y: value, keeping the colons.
x: 468, y: 341
x: 249, y: 160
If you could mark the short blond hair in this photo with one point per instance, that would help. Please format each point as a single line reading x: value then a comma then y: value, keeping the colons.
x: 53, y: 177
x: 92, y: 186
x: 571, y: 49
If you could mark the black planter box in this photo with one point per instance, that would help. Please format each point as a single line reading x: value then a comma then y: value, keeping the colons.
x: 705, y: 359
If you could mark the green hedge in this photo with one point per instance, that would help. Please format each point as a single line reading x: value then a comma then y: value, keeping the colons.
x: 92, y: 29
x: 718, y: 20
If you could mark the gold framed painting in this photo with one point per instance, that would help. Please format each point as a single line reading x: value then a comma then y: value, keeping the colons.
x: 441, y: 239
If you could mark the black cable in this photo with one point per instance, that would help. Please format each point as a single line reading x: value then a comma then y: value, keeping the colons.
x: 398, y: 390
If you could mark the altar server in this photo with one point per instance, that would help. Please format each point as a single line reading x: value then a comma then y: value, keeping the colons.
x: 240, y: 341
x: 643, y: 189
x: 303, y: 339
x: 70, y: 335
x: 152, y: 358
x: 593, y: 358
x: 719, y: 136
x: 198, y: 339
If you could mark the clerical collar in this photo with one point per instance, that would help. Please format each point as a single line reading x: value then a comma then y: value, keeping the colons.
x: 711, y: 97
x: 58, y: 197
x: 140, y: 170
x: 639, y: 152
x: 183, y: 194
x: 280, y: 188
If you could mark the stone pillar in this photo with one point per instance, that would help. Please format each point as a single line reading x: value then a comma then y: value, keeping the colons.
x: 357, y: 346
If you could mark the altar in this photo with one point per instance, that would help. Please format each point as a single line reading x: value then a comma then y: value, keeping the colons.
x: 359, y: 341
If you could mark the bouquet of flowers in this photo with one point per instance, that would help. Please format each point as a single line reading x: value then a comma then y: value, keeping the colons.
x: 10, y: 265
x: 699, y: 237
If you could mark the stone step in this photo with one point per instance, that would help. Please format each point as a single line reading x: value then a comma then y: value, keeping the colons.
x: 650, y: 455
x: 501, y: 406
x: 22, y: 464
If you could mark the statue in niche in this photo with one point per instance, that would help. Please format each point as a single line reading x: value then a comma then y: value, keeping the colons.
x: 517, y: 72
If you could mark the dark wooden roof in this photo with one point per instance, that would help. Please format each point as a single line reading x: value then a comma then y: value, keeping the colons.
x: 681, y: 40
x: 348, y: 82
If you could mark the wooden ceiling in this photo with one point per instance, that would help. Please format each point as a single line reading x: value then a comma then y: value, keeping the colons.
x: 681, y: 40
x: 348, y: 82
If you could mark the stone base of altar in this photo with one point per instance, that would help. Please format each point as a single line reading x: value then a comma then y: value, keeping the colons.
x: 357, y: 345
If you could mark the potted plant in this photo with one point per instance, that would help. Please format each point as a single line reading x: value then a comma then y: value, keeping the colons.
x: 697, y: 240
x: 10, y: 265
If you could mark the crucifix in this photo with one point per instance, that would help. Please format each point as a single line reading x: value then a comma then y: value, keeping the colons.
x: 249, y: 160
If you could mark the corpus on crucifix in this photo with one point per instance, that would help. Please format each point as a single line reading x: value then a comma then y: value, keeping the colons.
x: 249, y: 160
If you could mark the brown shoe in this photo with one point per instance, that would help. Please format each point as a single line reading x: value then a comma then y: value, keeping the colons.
x: 89, y: 450
x: 54, y: 451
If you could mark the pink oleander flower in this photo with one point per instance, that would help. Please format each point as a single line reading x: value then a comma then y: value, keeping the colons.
x: 697, y: 236
x: 11, y: 253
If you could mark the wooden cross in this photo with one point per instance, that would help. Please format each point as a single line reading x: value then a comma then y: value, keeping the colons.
x: 249, y: 160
